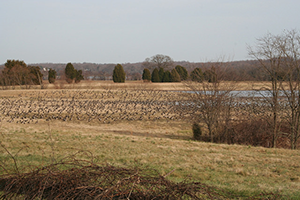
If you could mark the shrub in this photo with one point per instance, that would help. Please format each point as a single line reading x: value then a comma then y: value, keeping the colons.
x: 256, y: 132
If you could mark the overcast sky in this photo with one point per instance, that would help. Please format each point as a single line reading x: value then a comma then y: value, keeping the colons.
x: 128, y: 31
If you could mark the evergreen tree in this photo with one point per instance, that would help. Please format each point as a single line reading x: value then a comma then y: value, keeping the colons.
x: 119, y: 74
x: 70, y: 73
x: 175, y: 76
x: 161, y: 73
x: 197, y: 75
x: 146, y: 75
x: 182, y: 72
x: 11, y: 63
x: 78, y: 76
x: 73, y: 74
x: 155, y: 76
x: 167, y: 76
x: 210, y: 76
x: 51, y: 76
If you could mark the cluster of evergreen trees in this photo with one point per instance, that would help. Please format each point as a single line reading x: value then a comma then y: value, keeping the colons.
x: 177, y: 74
x: 72, y: 74
x: 209, y: 75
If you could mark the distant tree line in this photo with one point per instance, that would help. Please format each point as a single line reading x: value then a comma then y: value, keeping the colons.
x: 158, y: 68
x: 247, y: 70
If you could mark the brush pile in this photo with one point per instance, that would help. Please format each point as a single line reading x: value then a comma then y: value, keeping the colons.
x: 77, y: 181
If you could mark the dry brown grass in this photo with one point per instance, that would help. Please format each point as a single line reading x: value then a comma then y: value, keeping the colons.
x: 137, y: 85
x: 243, y: 169
x: 240, y: 85
x: 88, y: 84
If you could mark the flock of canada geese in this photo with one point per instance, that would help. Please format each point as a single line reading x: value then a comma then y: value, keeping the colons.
x: 91, y: 106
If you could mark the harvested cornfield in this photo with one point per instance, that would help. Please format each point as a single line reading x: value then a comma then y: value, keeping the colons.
x: 94, y: 107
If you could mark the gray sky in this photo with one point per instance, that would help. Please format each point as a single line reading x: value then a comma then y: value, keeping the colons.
x: 122, y: 31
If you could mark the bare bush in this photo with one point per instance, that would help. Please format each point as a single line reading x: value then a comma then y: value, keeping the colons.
x: 81, y: 179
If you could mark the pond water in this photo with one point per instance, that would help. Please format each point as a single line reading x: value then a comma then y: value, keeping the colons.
x: 243, y: 93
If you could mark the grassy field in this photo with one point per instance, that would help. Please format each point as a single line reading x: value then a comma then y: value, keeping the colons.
x: 36, y: 134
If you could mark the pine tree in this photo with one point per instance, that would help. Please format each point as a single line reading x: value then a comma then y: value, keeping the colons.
x: 155, y: 76
x: 119, y: 74
x: 197, y: 75
x: 51, y: 76
x: 70, y: 73
x: 210, y: 76
x: 78, y: 76
x: 161, y: 73
x: 175, y: 76
x: 182, y: 72
x: 167, y: 76
x: 146, y: 75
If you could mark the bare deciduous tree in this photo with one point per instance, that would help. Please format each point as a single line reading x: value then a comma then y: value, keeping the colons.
x: 213, y: 101
x: 159, y: 61
x: 278, y: 55
x: 290, y: 48
x: 269, y: 57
